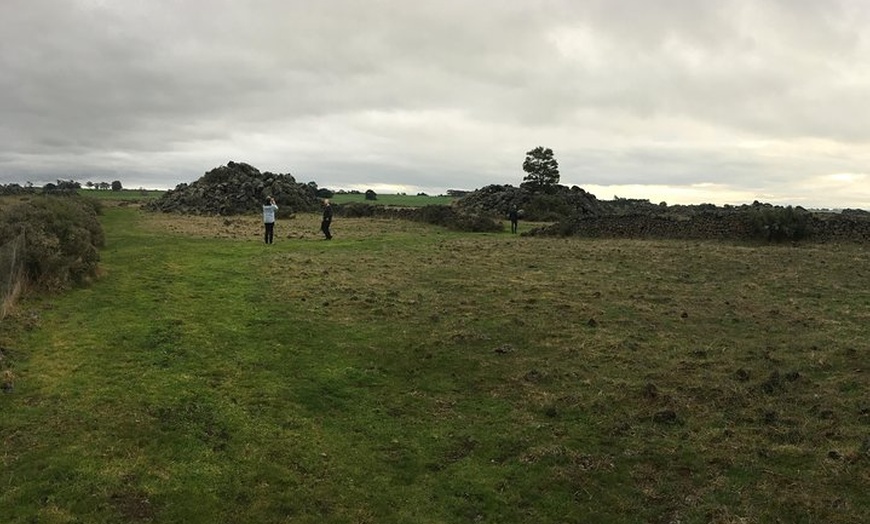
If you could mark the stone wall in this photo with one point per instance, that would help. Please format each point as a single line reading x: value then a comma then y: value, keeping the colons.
x: 712, y: 226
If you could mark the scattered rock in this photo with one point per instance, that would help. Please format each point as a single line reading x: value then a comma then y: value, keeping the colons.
x: 534, y: 376
x: 650, y: 391
x: 667, y: 416
x: 8, y: 381
x: 773, y: 384
x: 826, y: 414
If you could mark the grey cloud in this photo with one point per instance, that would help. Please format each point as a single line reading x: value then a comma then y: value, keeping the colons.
x: 435, y: 93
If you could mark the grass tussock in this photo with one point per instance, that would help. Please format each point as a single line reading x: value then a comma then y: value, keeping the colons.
x: 405, y: 373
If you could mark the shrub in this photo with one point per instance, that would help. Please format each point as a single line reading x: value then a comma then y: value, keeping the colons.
x: 475, y: 224
x: 547, y: 208
x: 449, y: 217
x: 778, y: 224
x: 435, y: 214
x: 61, y: 239
x: 356, y: 210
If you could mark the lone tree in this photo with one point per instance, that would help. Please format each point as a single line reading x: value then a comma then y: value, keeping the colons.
x: 116, y: 185
x: 542, y: 169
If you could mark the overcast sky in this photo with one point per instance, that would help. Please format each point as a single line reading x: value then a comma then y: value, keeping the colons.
x: 684, y: 101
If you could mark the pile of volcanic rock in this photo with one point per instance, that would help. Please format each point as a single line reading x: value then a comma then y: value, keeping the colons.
x: 560, y: 201
x: 235, y: 189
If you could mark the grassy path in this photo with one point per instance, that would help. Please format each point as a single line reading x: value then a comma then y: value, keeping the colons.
x: 404, y: 374
x: 181, y: 388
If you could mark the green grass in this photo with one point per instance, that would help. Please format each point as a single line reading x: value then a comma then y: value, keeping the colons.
x: 394, y: 200
x: 403, y: 373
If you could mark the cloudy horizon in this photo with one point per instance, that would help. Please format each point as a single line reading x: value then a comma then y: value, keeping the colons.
x: 682, y: 101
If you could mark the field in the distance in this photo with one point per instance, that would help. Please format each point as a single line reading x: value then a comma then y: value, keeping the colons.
x: 404, y: 373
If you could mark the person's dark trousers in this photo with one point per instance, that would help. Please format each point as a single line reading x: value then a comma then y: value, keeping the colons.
x: 270, y: 232
x: 513, y: 226
x: 324, y: 226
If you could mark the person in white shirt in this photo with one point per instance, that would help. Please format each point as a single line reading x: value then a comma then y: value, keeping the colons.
x: 269, y: 209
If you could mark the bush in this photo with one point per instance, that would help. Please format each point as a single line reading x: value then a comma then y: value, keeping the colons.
x: 547, y: 208
x: 450, y: 218
x: 778, y: 224
x: 61, y: 239
x: 475, y: 224
x: 356, y: 210
x: 436, y: 215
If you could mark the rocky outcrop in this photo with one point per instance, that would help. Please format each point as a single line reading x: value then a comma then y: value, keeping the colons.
x: 236, y: 189
x: 561, y: 201
x: 575, y: 212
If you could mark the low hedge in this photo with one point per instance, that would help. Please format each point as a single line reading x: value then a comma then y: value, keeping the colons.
x: 62, y: 237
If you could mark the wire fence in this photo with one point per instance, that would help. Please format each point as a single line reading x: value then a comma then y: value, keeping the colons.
x: 11, y: 273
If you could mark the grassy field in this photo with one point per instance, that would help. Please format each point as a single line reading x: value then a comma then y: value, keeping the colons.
x: 403, y: 373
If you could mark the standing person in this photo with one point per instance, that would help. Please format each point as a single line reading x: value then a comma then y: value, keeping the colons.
x: 514, y: 216
x: 269, y: 209
x: 327, y: 219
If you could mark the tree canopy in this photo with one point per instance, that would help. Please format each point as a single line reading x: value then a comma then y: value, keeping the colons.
x: 542, y: 169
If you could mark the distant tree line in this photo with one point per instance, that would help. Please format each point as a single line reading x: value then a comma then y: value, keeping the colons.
x: 115, y: 185
x: 58, y: 187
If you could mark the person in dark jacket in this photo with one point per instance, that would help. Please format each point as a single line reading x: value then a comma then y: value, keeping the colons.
x: 327, y: 219
x: 514, y: 216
